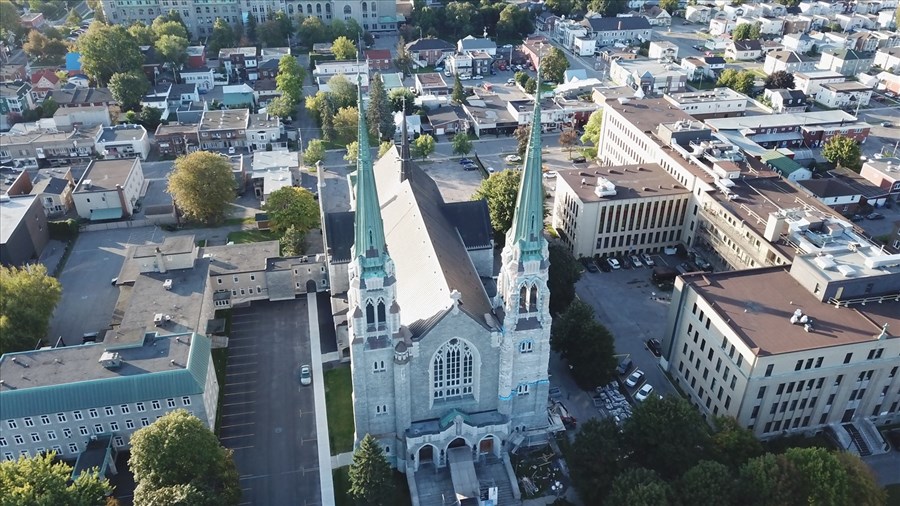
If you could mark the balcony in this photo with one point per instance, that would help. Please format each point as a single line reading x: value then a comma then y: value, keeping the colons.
x: 757, y: 253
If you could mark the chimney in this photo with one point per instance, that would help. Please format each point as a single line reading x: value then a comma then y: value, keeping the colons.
x: 620, y: 26
x: 160, y: 261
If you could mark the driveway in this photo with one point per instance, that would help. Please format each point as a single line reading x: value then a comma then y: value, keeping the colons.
x: 267, y: 417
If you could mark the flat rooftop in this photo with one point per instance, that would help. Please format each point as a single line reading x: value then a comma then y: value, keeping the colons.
x: 106, y: 174
x: 758, y: 304
x: 263, y: 160
x: 431, y: 80
x: 631, y: 182
x: 228, y: 119
x: 847, y: 86
x: 781, y: 120
x: 182, y: 304
x: 122, y: 133
x: 12, y: 213
x: 714, y: 95
x: 239, y: 257
x: 72, y: 364
x: 263, y: 121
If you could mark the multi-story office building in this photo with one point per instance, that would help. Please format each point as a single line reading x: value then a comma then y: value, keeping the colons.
x: 626, y: 209
x: 200, y: 15
x: 71, y: 395
x: 793, y: 349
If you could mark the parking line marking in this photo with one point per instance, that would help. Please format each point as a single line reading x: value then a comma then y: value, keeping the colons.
x: 241, y: 383
x: 240, y: 393
x: 238, y: 414
x: 240, y: 447
x: 238, y: 403
x: 237, y: 436
x: 239, y: 373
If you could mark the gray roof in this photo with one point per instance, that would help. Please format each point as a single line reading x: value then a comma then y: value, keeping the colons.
x: 12, y: 213
x: 240, y: 257
x: 471, y: 43
x: 70, y: 378
x: 124, y: 132
x: 429, y: 44
x: 50, y: 185
x: 75, y: 96
x: 618, y: 24
x: 747, y: 45
x: 339, y: 237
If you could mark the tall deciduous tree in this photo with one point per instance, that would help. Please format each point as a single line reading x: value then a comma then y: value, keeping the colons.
x: 343, y: 48
x: 731, y: 444
x: 384, y: 147
x: 562, y: 275
x: 222, y: 36
x: 739, y: 81
x: 780, y: 80
x: 400, y: 96
x: 312, y: 31
x: 843, y: 151
x: 40, y: 480
x: 423, y: 146
x: 128, y: 88
x: 202, y: 186
x: 585, y: 344
x: 315, y: 152
x: 164, y: 26
x: 172, y: 49
x: 342, y: 92
x: 9, y: 21
x: 176, y: 456
x: 280, y: 106
x: 500, y: 191
x: 640, y: 486
x: 346, y: 124
x: 669, y: 6
x: 459, y: 93
x: 291, y: 206
x: 593, y: 128
x: 292, y: 242
x: 554, y: 65
x: 378, y: 114
x: 352, y: 153
x: 143, y: 34
x: 370, y: 475
x: 741, y: 32
x: 596, y: 458
x: 666, y: 435
x: 567, y: 139
x: 289, y: 80
x: 106, y: 50
x: 462, y: 144
x: 522, y: 135
x: 708, y: 482
x: 27, y: 300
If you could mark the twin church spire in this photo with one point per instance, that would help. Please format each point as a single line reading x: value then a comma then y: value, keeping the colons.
x: 369, y: 245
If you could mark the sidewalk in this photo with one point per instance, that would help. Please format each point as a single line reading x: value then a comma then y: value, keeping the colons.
x: 326, y: 481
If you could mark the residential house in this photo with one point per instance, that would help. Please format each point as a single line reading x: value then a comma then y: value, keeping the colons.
x: 696, y: 69
x: 852, y: 22
x: 811, y: 82
x: 203, y: 77
x: 42, y: 82
x: 32, y: 20
x: 272, y: 170
x: 265, y: 90
x: 663, y: 49
x: 264, y: 131
x: 196, y: 57
x: 379, y: 59
x: 607, y: 31
x: 768, y: 26
x: 392, y: 81
x: 223, y: 129
x: 889, y: 82
x: 473, y: 44
x: 68, y: 119
x: 796, y: 23
x: 567, y: 32
x: 715, y: 103
x: 431, y: 83
x: 649, y: 75
x: 12, y: 72
x: 413, y: 125
x: 863, y: 41
x: 846, y: 95
x: 239, y: 62
x: 572, y: 75
x: 788, y: 61
x: 888, y: 59
x: 699, y: 14
x: 535, y: 48
x: 744, y: 50
x: 656, y: 16
x: 267, y: 69
x: 785, y: 166
x: 175, y: 139
x: 715, y: 63
x: 238, y: 96
x: 883, y: 173
x: 23, y: 230
x: 123, y: 141
x: 470, y: 63
x: 844, y: 190
x: 71, y: 96
x: 157, y: 97
x: 721, y: 26
x: 24, y: 149
x: 799, y: 42
x: 429, y: 52
x: 786, y: 101
x: 846, y: 61
x: 109, y: 189
x: 448, y: 120
x: 53, y: 188
x: 15, y: 99
x: 546, y: 21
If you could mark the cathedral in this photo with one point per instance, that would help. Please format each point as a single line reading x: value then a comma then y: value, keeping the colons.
x: 448, y: 349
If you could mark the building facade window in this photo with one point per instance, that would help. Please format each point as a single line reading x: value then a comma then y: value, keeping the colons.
x: 453, y: 373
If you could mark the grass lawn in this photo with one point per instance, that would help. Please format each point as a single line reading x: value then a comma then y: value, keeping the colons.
x: 339, y: 405
x: 245, y: 236
x: 220, y: 359
x: 893, y: 492
x: 341, y: 478
x: 705, y: 84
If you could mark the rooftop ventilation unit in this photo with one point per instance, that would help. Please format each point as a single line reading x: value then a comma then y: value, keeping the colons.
x: 110, y: 360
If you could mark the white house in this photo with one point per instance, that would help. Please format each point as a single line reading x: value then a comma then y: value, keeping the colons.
x: 788, y: 61
x: 744, y: 50
x: 263, y: 130
x: 123, y: 141
x: 698, y: 14
x: 847, y: 94
x: 888, y: 59
x: 108, y: 189
x: 203, y: 77
x: 663, y: 49
x: 799, y: 42
x: 811, y: 82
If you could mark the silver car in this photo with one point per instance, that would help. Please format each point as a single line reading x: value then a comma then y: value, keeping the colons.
x: 305, y: 375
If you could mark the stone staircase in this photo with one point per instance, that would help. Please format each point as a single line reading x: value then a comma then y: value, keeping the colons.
x: 857, y: 439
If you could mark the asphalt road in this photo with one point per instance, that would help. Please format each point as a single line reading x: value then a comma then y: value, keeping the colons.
x: 268, y: 418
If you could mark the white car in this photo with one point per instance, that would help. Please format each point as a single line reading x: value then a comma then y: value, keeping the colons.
x: 635, y: 378
x: 478, y: 76
x: 636, y: 262
x: 513, y: 158
x: 613, y: 263
x: 510, y: 81
x: 464, y: 77
x: 644, y: 392
x: 550, y: 174
x: 491, y: 169
x: 647, y: 259
x: 447, y: 73
x: 305, y: 375
x: 231, y: 150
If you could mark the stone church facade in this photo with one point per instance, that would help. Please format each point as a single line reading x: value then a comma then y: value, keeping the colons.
x: 445, y: 352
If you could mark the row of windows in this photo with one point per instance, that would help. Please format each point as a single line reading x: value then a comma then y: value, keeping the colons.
x: 93, y: 413
x: 73, y: 449
x: 83, y: 430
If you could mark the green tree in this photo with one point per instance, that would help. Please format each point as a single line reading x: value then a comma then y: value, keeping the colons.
x: 399, y: 96
x: 816, y: 477
x: 759, y: 481
x: 172, y: 49
x: 106, y: 50
x: 285, y: 25
x: 669, y: 6
x: 9, y: 21
x: 531, y: 86
x: 378, y: 114
x: 500, y: 191
x: 337, y: 28
x: 73, y: 19
x: 289, y: 80
x: 741, y: 32
x: 178, y: 453
x: 315, y: 104
x: 292, y: 242
x: 312, y: 31
x: 343, y: 48
x: 202, y: 186
x: 143, y: 34
x: 423, y: 146
x: 46, y: 49
x: 639, y: 487
x: 41, y: 480
x: 315, y: 152
x: 329, y: 132
x: 346, y: 124
x: 593, y: 128
x: 562, y: 275
x: 755, y: 30
x: 280, y: 106
x: 163, y: 26
x: 780, y: 80
x: 739, y: 81
x: 352, y: 154
x: 27, y: 300
x: 250, y: 29
x: 862, y: 482
x: 554, y: 65
x: 514, y: 23
x: 560, y: 7
x: 150, y: 118
x: 371, y: 482
x: 49, y: 107
x: 567, y: 139
x: 521, y: 78
x: 842, y: 151
x: 270, y: 34
x: 608, y: 8
x: 666, y: 435
x: 731, y: 444
x: 522, y: 135
x: 462, y: 144
x: 708, y: 482
x: 342, y: 92
x: 128, y: 88
x: 585, y: 344
x: 384, y: 147
x: 222, y: 36
x: 292, y: 206
x: 459, y: 93
x: 596, y: 459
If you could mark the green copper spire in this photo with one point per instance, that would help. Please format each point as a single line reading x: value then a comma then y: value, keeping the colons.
x: 528, y: 221
x: 369, y: 245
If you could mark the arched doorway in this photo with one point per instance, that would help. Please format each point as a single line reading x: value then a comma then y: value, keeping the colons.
x: 311, y: 287
x: 489, y: 445
x: 426, y: 455
x: 456, y: 443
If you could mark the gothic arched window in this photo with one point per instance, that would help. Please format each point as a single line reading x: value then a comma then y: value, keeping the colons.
x: 370, y: 313
x: 453, y: 370
x: 309, y: 8
x: 523, y: 299
x: 382, y: 318
x: 348, y: 10
x: 533, y: 299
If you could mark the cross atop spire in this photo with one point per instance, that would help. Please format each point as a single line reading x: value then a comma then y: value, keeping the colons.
x: 528, y: 221
x: 369, y: 245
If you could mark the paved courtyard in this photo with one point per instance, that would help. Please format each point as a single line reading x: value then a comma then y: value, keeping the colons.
x: 268, y: 418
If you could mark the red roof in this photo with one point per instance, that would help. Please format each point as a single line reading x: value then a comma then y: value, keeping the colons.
x: 49, y: 74
x: 378, y: 54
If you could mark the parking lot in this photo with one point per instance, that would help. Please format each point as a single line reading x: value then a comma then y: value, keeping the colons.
x: 456, y: 184
x: 267, y: 417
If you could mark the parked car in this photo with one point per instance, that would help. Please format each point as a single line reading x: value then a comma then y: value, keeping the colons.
x: 887, y: 124
x: 602, y: 264
x: 655, y: 347
x: 231, y: 150
x: 874, y: 216
x: 613, y: 263
x: 648, y: 260
x: 305, y: 375
x: 635, y: 261
x: 464, y: 161
x: 644, y: 392
x: 513, y: 158
x: 550, y: 174
x: 635, y: 378
x: 491, y: 169
x: 586, y: 262
x: 856, y: 218
x: 579, y: 159
x: 478, y: 76
x: 510, y: 81
x: 464, y: 77
x: 624, y: 366
x: 470, y: 166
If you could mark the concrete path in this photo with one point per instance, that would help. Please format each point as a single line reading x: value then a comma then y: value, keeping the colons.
x: 344, y: 459
x: 326, y: 481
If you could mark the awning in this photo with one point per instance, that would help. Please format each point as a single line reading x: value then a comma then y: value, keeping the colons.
x: 110, y: 213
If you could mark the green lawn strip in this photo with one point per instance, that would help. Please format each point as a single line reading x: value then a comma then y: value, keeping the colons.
x: 339, y: 406
x: 341, y: 477
x: 247, y: 236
